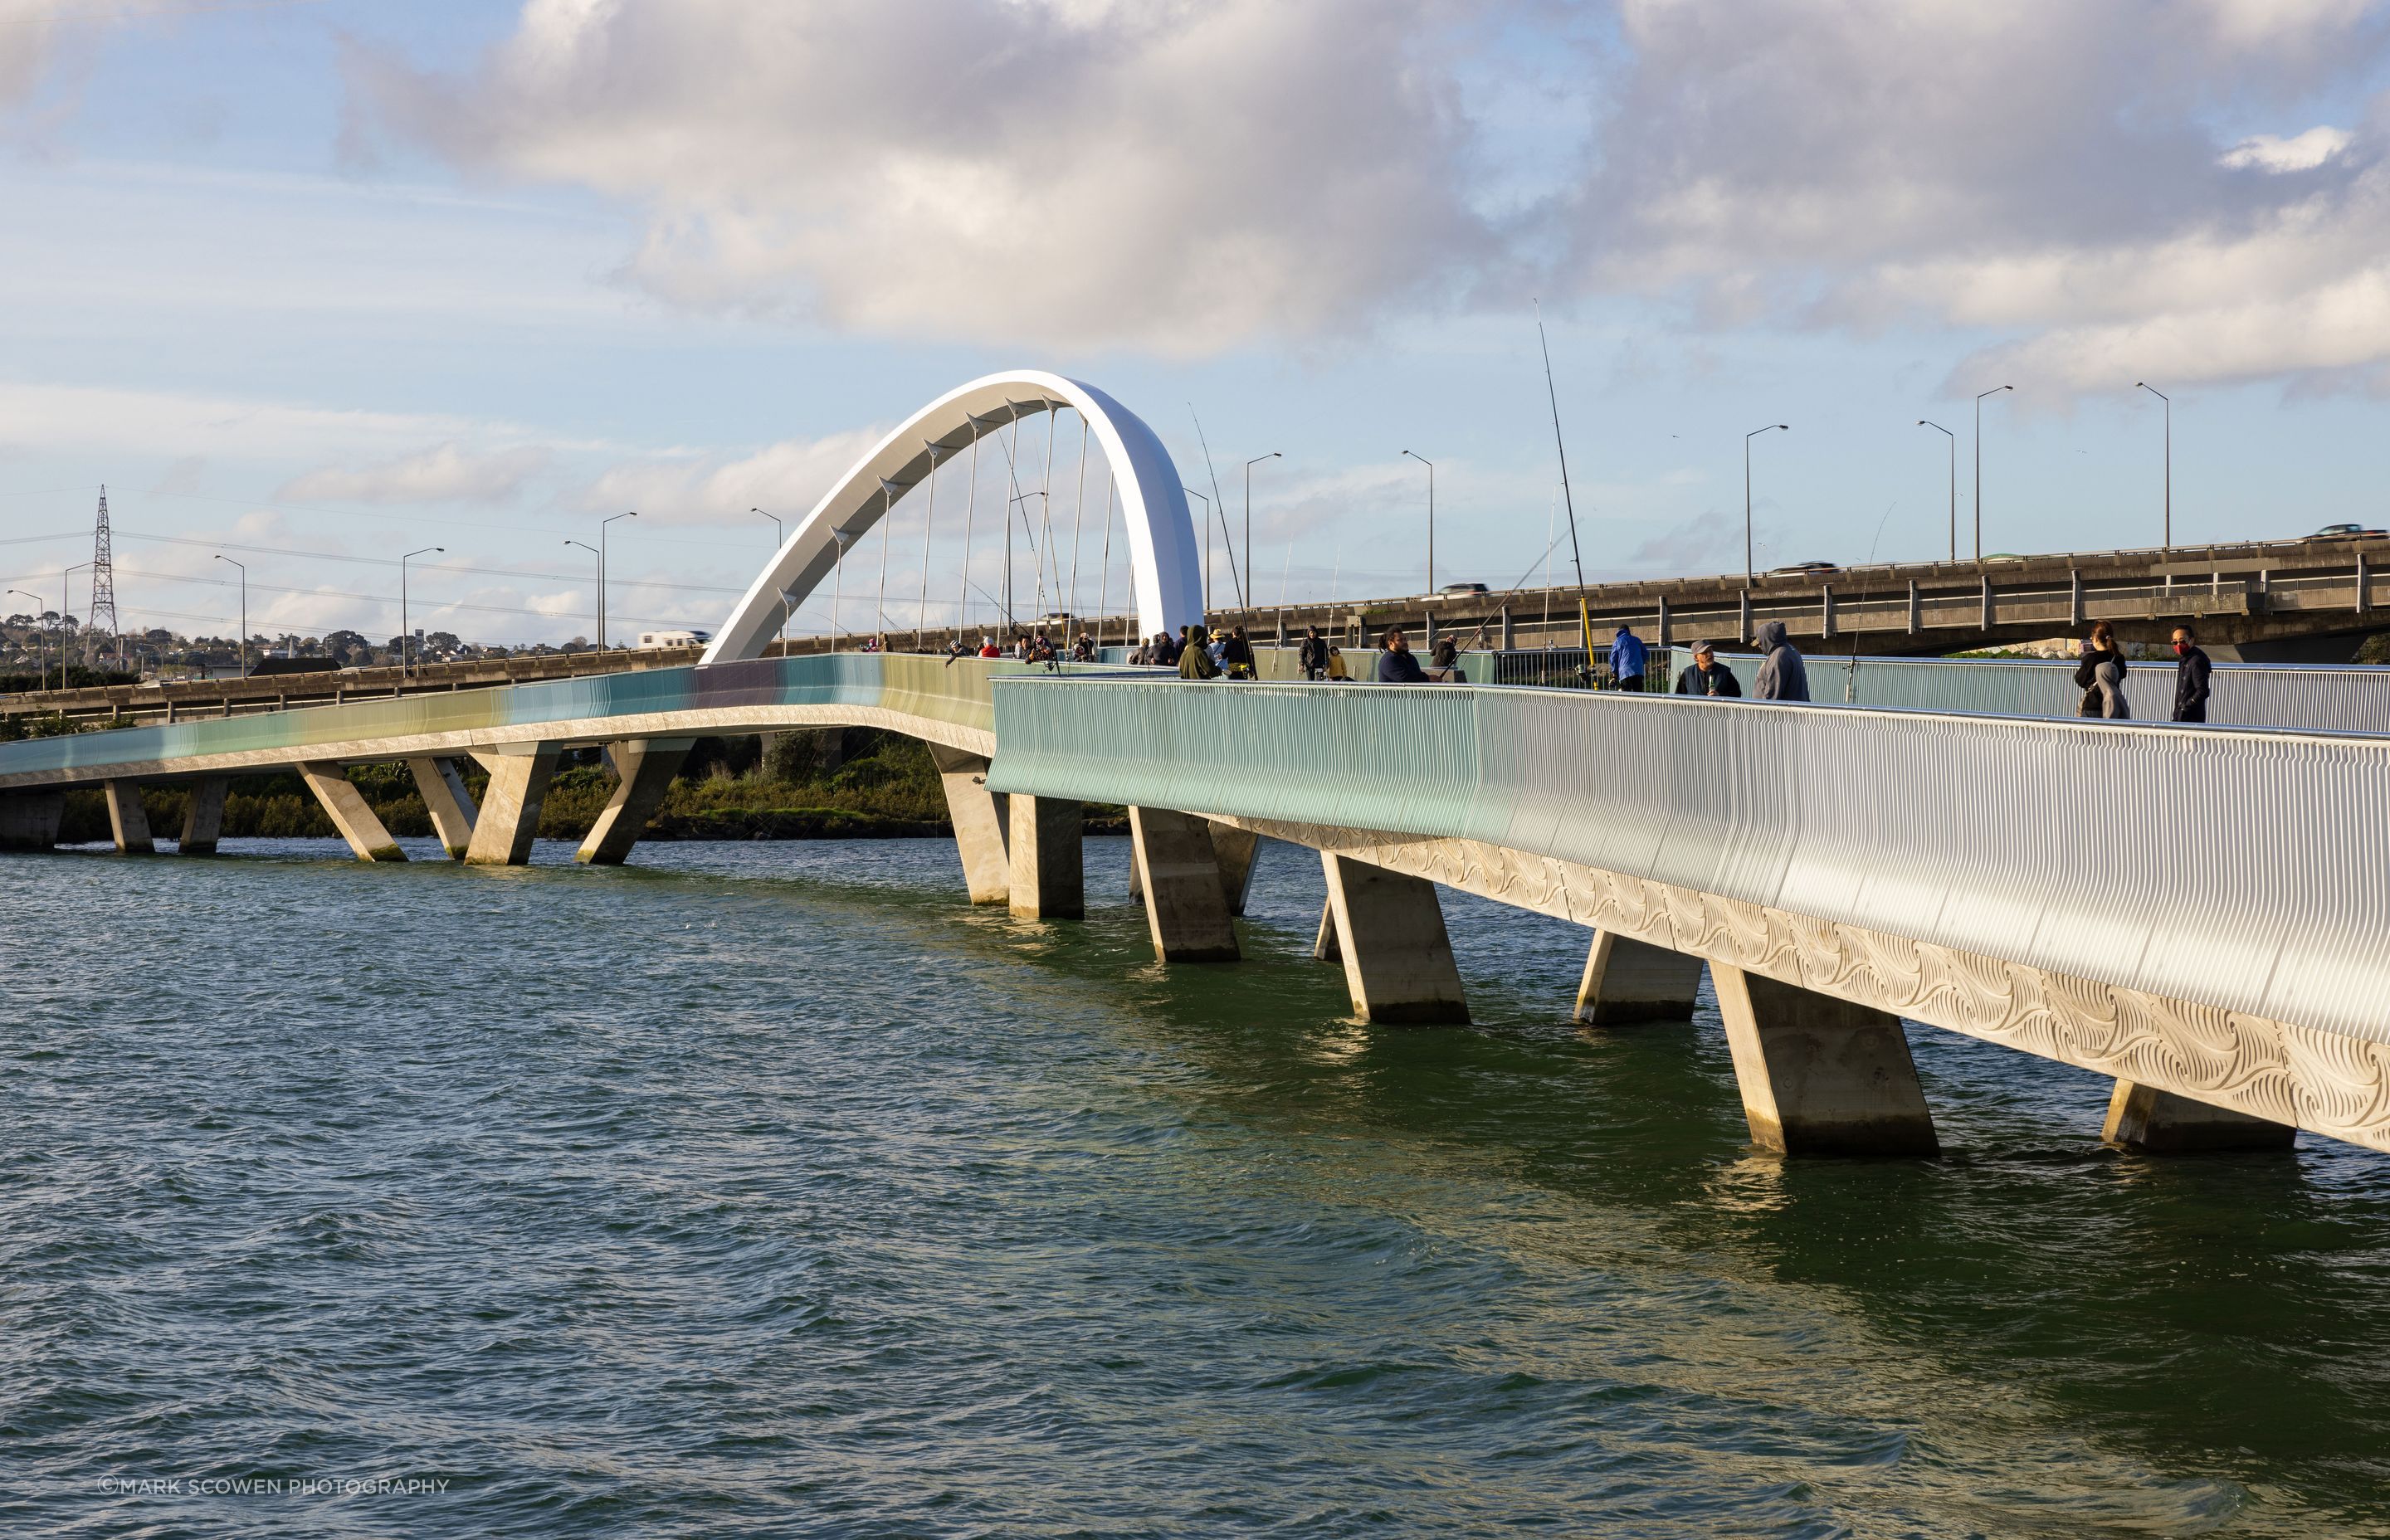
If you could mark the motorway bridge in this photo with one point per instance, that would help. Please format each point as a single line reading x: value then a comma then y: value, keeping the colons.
x: 2194, y: 913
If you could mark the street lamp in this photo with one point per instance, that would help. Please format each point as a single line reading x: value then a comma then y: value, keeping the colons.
x: 1207, y: 547
x: 78, y: 566
x: 838, y: 587
x: 406, y: 637
x: 601, y: 574
x: 1979, y: 464
x: 1257, y: 459
x: 41, y: 663
x: 244, y: 608
x: 1953, y: 481
x: 2169, y: 457
x: 779, y: 538
x: 1750, y: 568
x: 1431, y: 518
x: 601, y: 580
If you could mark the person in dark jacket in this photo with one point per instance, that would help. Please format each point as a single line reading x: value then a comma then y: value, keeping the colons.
x: 1706, y: 675
x: 1313, y: 655
x: 1237, y: 655
x: 1195, y: 661
x: 1396, y: 665
x: 2100, y: 675
x: 2190, y: 675
x: 1627, y: 660
x: 1782, y: 676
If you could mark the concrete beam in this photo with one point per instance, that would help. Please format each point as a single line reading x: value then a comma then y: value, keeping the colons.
x: 1186, y: 910
x: 978, y: 819
x: 126, y: 818
x: 647, y: 767
x: 2160, y: 1123
x: 1820, y: 1076
x: 203, y: 817
x: 29, y: 820
x: 509, y: 817
x: 1048, y: 866
x: 1390, y: 935
x: 1323, y: 945
x: 345, y: 805
x: 1236, y: 850
x: 444, y: 797
x: 1629, y: 980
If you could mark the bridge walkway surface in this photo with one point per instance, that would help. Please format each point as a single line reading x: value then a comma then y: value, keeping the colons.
x: 2196, y: 913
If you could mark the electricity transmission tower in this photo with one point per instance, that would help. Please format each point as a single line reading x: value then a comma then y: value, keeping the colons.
x: 103, y: 585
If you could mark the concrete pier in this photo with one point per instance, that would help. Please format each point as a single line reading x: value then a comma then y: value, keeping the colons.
x: 978, y: 817
x: 347, y: 809
x: 1049, y: 860
x: 1186, y: 910
x: 1819, y: 1076
x: 126, y: 819
x: 509, y: 820
x: 1390, y: 935
x: 203, y: 817
x: 1236, y: 850
x: 29, y: 820
x: 1323, y: 945
x: 446, y: 800
x: 2160, y: 1123
x: 647, y: 767
x: 1628, y: 980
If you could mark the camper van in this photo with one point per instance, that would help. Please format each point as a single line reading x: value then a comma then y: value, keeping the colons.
x: 651, y: 640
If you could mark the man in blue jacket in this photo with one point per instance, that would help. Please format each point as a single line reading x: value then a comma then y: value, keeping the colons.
x: 1626, y: 660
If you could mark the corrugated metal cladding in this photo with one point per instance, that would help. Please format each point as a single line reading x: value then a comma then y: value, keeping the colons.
x: 2249, y: 695
x: 2242, y: 870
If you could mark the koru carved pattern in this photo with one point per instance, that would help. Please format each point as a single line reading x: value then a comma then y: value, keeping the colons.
x: 2321, y: 1081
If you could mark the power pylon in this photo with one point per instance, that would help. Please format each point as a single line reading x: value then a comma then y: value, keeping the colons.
x: 103, y: 581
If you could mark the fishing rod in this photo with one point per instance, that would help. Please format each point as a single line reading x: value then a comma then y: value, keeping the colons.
x: 1576, y: 556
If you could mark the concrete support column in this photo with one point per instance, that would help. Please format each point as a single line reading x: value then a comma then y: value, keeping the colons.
x: 29, y: 820
x: 126, y: 818
x: 2160, y: 1123
x: 1820, y: 1076
x: 647, y: 767
x: 1631, y: 981
x: 1323, y: 946
x: 449, y: 805
x: 1186, y: 910
x: 203, y: 817
x: 1046, y: 839
x: 346, y: 807
x: 978, y: 817
x: 1235, y: 849
x: 509, y: 817
x: 1390, y: 938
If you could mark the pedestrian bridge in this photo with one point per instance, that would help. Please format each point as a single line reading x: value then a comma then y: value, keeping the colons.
x: 2196, y: 913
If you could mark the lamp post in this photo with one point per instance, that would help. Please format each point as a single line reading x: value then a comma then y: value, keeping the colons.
x: 244, y: 607
x: 406, y: 637
x: 2169, y: 457
x: 1257, y: 459
x: 779, y: 538
x: 1979, y: 464
x: 1953, y: 481
x: 601, y: 580
x: 40, y: 662
x: 1207, y: 548
x: 78, y: 566
x: 1750, y: 568
x: 838, y: 587
x: 1430, y: 516
x: 601, y: 574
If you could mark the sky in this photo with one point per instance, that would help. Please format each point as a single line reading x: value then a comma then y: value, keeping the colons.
x: 310, y: 284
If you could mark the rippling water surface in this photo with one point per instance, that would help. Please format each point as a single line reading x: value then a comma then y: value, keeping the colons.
x: 771, y: 1189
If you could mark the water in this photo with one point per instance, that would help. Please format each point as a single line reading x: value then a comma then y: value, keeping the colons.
x: 770, y: 1190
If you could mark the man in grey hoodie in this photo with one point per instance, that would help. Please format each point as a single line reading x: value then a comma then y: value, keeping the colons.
x: 1781, y: 676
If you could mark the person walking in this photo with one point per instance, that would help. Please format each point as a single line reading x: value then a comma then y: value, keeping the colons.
x: 1705, y: 675
x: 1337, y: 672
x: 1313, y: 656
x: 2100, y: 675
x: 1396, y: 665
x: 1782, y: 676
x: 1627, y: 660
x: 2190, y: 677
x: 1237, y: 655
x: 1195, y: 662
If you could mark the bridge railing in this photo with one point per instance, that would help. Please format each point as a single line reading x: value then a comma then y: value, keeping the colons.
x: 2236, y: 868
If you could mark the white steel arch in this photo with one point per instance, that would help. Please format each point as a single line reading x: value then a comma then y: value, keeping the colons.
x: 1162, y: 552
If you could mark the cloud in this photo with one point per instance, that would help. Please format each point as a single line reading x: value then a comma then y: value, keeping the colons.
x: 787, y: 479
x: 2302, y: 152
x: 446, y: 474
